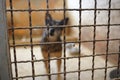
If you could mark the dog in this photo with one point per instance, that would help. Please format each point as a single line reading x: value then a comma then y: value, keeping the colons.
x: 52, y: 34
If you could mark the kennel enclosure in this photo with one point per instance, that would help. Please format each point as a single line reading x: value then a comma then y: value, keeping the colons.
x: 9, y: 47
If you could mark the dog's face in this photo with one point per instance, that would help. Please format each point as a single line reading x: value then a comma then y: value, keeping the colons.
x: 54, y: 29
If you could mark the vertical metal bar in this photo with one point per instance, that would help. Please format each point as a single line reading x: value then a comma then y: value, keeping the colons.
x: 107, y: 45
x: 94, y: 36
x: 118, y: 68
x: 79, y: 59
x: 13, y: 39
x: 31, y: 40
x: 5, y: 66
x: 64, y: 4
x: 49, y: 67
x: 47, y: 5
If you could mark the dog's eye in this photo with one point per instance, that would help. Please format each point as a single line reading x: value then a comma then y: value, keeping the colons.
x: 52, y: 32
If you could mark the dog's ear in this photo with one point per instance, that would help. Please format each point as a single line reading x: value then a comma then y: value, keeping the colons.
x: 48, y: 19
x: 64, y: 21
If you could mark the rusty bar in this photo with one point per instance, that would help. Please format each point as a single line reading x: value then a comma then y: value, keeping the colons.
x: 63, y: 26
x: 64, y: 40
x: 48, y: 26
x: 66, y: 72
x: 37, y: 44
x: 5, y: 66
x: 28, y: 61
x: 118, y: 68
x: 13, y: 38
x: 101, y: 9
x: 107, y: 45
x: 31, y: 40
x: 79, y: 58
x: 94, y: 38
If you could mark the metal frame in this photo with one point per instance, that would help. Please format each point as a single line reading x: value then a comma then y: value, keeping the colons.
x: 5, y: 67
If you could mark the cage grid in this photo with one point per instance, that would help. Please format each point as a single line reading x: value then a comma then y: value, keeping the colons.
x: 64, y: 42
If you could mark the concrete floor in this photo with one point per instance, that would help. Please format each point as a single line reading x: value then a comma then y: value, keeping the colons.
x: 24, y: 69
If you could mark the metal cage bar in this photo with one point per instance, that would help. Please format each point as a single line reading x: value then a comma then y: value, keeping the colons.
x: 108, y: 35
x: 64, y: 40
x: 92, y: 9
x: 79, y: 57
x: 85, y: 41
x: 5, y: 66
x: 118, y: 68
x: 13, y: 38
x: 41, y: 27
x: 31, y: 40
x: 48, y: 26
x: 94, y: 38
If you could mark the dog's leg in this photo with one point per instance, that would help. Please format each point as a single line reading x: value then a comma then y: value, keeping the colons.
x: 46, y: 66
x: 59, y: 64
x: 45, y: 56
x: 59, y: 68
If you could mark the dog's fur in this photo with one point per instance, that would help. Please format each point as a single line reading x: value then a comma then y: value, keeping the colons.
x: 52, y: 35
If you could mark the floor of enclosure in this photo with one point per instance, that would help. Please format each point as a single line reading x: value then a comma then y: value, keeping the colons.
x: 25, y: 69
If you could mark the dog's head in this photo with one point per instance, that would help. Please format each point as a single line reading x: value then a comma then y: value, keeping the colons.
x: 55, y: 28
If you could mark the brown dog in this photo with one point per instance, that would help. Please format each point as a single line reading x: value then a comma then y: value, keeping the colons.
x: 52, y: 34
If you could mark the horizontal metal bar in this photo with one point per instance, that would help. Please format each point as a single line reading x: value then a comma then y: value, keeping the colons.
x: 24, y: 10
x: 29, y: 61
x: 63, y: 26
x: 46, y: 43
x: 65, y: 72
